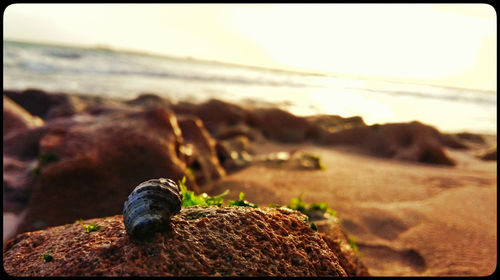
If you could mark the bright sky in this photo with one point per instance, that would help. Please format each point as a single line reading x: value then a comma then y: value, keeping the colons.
x: 447, y: 44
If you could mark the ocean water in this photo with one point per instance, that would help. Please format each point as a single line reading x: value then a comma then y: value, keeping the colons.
x: 125, y: 75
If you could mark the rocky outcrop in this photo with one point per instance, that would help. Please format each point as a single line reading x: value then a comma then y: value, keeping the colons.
x: 406, y: 141
x: 201, y: 241
x: 214, y: 114
x: 38, y: 102
x: 201, y: 157
x: 148, y: 100
x: 490, y: 154
x: 92, y: 147
x: 325, y: 124
x: 18, y: 183
x: 334, y: 235
x: 92, y: 165
x: 15, y: 117
x: 282, y: 126
x: 234, y: 153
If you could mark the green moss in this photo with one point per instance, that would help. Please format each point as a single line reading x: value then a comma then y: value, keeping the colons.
x: 189, y: 198
x: 47, y: 257
x: 242, y: 202
x: 43, y: 159
x: 352, y: 242
x: 190, y: 171
x: 313, y: 226
x: 92, y: 227
x: 36, y: 171
x: 318, y: 160
x: 47, y: 158
x: 297, y: 204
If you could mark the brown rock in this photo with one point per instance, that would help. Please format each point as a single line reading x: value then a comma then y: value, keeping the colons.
x: 471, y: 137
x: 17, y: 183
x: 99, y: 160
x: 51, y: 106
x: 282, y: 126
x: 23, y: 143
x: 234, y: 153
x: 231, y: 131
x: 330, y: 123
x: 407, y: 141
x: 36, y: 102
x: 214, y: 114
x: 202, y: 241
x: 336, y: 238
x: 148, y: 100
x: 453, y: 141
x: 204, y: 162
x: 490, y: 155
x: 15, y: 117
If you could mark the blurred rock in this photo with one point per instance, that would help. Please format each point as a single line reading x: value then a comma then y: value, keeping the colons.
x: 452, y: 141
x: 37, y: 102
x: 18, y: 181
x: 98, y: 161
x: 234, y: 153
x: 240, y: 129
x: 490, y: 154
x: 406, y: 141
x: 331, y: 123
x: 290, y: 160
x: 15, y: 117
x: 203, y: 157
x: 282, y: 126
x: 214, y: 114
x: 148, y: 100
x: 471, y: 137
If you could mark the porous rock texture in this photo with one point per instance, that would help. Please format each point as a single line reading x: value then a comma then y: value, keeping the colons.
x: 201, y: 241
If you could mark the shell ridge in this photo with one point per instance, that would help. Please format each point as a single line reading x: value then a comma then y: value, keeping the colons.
x: 150, y: 206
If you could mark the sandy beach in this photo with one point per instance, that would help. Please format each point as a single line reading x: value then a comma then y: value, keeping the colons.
x: 408, y: 219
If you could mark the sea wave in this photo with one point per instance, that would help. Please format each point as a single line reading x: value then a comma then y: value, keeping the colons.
x: 460, y: 96
x: 48, y: 68
x: 63, y: 54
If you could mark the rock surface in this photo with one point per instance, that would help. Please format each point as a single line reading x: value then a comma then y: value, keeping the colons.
x: 38, y: 102
x: 202, y: 241
x: 202, y: 157
x: 15, y: 117
x: 489, y: 155
x: 97, y: 162
x: 282, y: 126
x: 406, y: 141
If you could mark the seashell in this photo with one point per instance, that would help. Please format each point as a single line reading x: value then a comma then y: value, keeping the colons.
x: 150, y: 207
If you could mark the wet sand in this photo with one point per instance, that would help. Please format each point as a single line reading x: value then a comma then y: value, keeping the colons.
x: 408, y: 219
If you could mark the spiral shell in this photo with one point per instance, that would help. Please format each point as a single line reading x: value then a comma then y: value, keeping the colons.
x: 150, y: 207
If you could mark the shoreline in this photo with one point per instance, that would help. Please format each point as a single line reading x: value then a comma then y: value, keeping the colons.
x: 248, y: 103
